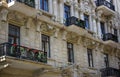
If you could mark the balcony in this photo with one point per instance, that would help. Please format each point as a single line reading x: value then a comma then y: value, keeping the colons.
x: 105, y: 72
x: 22, y: 52
x: 75, y: 21
x: 30, y: 3
x: 109, y: 36
x: 107, y: 7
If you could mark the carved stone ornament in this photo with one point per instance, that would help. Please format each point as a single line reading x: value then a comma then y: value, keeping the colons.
x: 89, y: 43
x: 72, y: 37
x: 3, y: 15
x: 86, y: 6
x: 38, y: 25
x: 17, y: 17
x: 56, y: 32
x: 28, y: 23
x: 47, y: 29
x: 99, y: 14
x: 64, y: 34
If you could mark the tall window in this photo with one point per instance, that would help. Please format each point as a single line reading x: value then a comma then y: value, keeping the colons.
x: 86, y: 18
x: 115, y: 32
x: 44, y: 5
x: 14, y: 34
x: 106, y: 60
x: 46, y: 44
x: 102, y: 28
x: 66, y: 12
x: 70, y: 52
x: 90, y: 57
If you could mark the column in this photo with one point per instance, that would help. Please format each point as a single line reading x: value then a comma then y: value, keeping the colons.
x: 50, y: 7
x: 3, y: 25
x: 72, y: 10
x: 37, y: 4
x: 106, y: 28
x: 81, y: 16
x: 75, y: 8
x: 90, y: 23
x: 99, y: 29
x: 61, y: 11
x: 55, y: 8
x: 118, y: 35
x: 94, y: 25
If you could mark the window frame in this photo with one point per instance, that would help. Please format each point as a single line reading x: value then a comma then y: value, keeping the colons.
x: 70, y: 52
x: 87, y: 22
x: 90, y: 57
x: 15, y: 29
x: 44, y: 6
x: 106, y: 61
x: 67, y: 10
x: 45, y: 42
x: 102, y: 27
x: 115, y: 32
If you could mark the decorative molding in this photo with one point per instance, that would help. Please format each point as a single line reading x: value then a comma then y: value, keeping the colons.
x: 38, y: 25
x: 47, y: 29
x: 17, y: 17
x: 28, y: 23
x: 99, y: 14
x: 72, y: 37
x: 56, y: 32
x: 64, y: 34
x: 3, y: 15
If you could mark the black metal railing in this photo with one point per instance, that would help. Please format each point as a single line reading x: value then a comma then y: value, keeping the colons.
x: 75, y: 21
x: 110, y: 72
x: 105, y: 3
x: 22, y: 52
x: 30, y: 3
x: 110, y: 36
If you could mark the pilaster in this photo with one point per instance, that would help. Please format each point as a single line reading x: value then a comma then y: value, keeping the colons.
x: 51, y: 6
x: 61, y: 11
x: 55, y: 12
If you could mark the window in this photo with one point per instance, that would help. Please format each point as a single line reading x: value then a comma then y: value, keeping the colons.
x: 86, y: 18
x: 119, y: 63
x: 14, y: 34
x: 44, y: 5
x: 46, y: 44
x: 106, y: 61
x: 115, y: 32
x: 111, y: 1
x: 90, y: 58
x: 9, y: 1
x: 70, y: 52
x: 66, y: 12
x: 102, y: 28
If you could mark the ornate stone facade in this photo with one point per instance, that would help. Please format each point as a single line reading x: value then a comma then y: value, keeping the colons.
x: 38, y: 22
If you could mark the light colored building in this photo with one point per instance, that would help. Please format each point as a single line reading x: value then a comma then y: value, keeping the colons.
x: 59, y: 38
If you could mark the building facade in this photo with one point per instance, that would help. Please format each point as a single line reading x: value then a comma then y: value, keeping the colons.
x: 59, y: 38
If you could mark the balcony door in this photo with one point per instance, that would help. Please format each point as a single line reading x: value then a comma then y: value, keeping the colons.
x: 14, y: 34
x: 66, y: 13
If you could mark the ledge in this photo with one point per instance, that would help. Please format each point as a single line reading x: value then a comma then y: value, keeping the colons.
x: 25, y: 64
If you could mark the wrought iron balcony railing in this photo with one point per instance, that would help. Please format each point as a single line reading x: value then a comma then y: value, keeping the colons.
x: 30, y: 3
x: 105, y: 3
x: 105, y: 72
x: 110, y: 36
x: 75, y: 21
x: 22, y: 52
